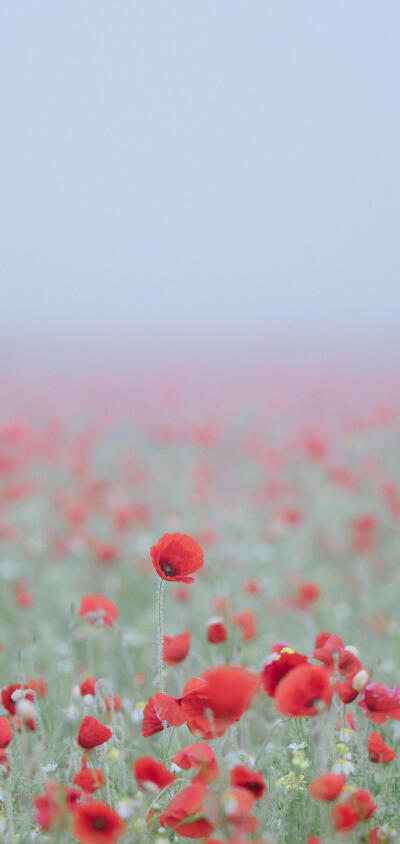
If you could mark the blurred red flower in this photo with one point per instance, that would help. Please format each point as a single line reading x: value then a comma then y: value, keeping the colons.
x: 176, y: 648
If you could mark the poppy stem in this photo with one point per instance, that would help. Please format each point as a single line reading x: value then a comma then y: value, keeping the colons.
x: 160, y: 629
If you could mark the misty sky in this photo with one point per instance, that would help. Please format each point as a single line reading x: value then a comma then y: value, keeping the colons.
x: 199, y: 163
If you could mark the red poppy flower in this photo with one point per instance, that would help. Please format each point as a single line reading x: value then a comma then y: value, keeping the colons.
x: 112, y: 702
x: 246, y: 621
x: 307, y: 594
x: 327, y: 787
x: 191, y: 813
x: 6, y: 733
x: 380, y: 702
x: 363, y: 803
x: 199, y: 756
x: 89, y: 779
x: 169, y: 709
x: 277, y: 666
x: 88, y: 687
x: 378, y: 750
x: 97, y: 823
x: 54, y: 805
x: 48, y: 808
x: 252, y: 587
x: 224, y: 693
x: 176, y: 648
x: 300, y: 690
x: 364, y: 533
x: 314, y: 839
x: 151, y: 723
x: 236, y: 804
x: 7, y: 697
x: 216, y: 631
x: 23, y: 595
x: 175, y: 556
x: 328, y: 643
x: 38, y: 686
x: 98, y: 610
x: 152, y: 775
x: 247, y: 778
x: 344, y: 817
x: 92, y: 733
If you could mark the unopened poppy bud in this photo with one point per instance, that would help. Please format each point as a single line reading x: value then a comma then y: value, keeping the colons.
x: 216, y: 630
x: 26, y: 710
x: 360, y: 680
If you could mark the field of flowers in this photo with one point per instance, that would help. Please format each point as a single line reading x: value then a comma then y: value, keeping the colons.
x: 199, y: 627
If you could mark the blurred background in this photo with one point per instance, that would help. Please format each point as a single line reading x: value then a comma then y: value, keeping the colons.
x: 198, y: 191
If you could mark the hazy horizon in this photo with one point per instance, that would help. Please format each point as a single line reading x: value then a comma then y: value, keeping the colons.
x: 182, y: 169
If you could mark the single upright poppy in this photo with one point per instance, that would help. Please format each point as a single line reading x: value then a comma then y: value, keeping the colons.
x: 97, y: 823
x: 216, y: 630
x: 176, y: 556
x: 176, y: 648
x: 92, y: 733
x: 301, y: 689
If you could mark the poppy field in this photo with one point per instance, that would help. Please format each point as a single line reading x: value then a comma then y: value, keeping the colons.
x: 199, y: 626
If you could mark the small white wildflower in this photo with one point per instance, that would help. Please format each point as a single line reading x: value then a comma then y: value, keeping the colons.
x: 125, y: 807
x: 47, y: 769
x: 343, y: 766
x: 345, y: 735
x: 71, y: 713
x: 295, y: 747
x: 137, y: 714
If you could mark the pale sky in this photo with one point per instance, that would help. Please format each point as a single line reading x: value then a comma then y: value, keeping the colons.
x: 200, y: 163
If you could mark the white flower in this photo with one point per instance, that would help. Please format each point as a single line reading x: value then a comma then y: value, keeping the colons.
x: 47, y: 769
x: 124, y: 807
x: 343, y: 766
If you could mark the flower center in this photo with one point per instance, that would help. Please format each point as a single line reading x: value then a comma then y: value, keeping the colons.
x: 99, y: 823
x: 168, y: 569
